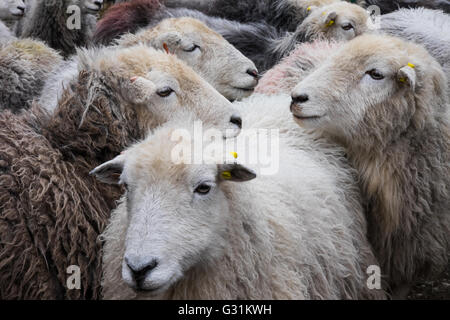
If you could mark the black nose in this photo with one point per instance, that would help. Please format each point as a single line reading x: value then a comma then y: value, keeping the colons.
x: 21, y: 9
x: 300, y: 98
x: 139, y: 273
x: 237, y: 121
x: 99, y: 3
x: 253, y: 73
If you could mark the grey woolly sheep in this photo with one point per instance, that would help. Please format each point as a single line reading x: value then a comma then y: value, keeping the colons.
x: 51, y: 210
x: 25, y: 65
x: 64, y: 24
x: 385, y: 100
x: 290, y: 235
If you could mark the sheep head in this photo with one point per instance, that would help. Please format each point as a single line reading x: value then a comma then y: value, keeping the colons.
x: 12, y: 9
x: 371, y: 91
x: 158, y: 86
x: 177, y: 213
x: 336, y: 21
x: 207, y: 52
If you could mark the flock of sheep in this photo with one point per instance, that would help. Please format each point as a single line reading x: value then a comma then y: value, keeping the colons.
x: 88, y: 115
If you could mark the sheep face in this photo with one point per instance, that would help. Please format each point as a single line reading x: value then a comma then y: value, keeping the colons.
x: 12, y: 9
x: 208, y: 53
x: 368, y: 89
x: 176, y: 212
x: 338, y: 21
x: 161, y: 87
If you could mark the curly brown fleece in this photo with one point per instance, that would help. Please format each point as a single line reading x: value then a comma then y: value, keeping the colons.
x: 51, y: 210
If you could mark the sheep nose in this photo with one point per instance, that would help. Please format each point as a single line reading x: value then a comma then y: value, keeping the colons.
x: 301, y: 98
x: 253, y: 73
x: 21, y: 8
x: 237, y: 120
x: 140, y: 271
x: 98, y: 3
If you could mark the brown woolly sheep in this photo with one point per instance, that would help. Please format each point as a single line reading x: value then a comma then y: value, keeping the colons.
x: 51, y: 210
x: 385, y: 100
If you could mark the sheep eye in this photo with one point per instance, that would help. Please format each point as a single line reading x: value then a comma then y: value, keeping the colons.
x: 203, y: 189
x: 164, y: 92
x: 375, y: 74
x: 191, y: 49
x: 347, y: 26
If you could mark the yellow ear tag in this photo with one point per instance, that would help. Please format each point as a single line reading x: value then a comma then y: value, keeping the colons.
x: 308, y: 9
x: 234, y: 154
x: 411, y: 65
x: 329, y: 24
x: 226, y: 175
x: 402, y: 80
x: 324, y: 13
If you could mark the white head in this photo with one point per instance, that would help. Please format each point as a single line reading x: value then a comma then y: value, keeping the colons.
x: 177, y: 213
x: 207, y: 52
x: 372, y: 88
x: 160, y: 86
x: 338, y: 21
x: 12, y: 9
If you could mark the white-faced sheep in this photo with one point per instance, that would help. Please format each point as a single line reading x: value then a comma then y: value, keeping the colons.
x: 185, y: 232
x: 385, y: 100
x: 219, y: 63
x: 260, y: 42
x: 10, y: 12
x: 64, y: 24
x: 387, y: 6
x: 211, y: 56
x: 25, y: 65
x: 430, y: 28
x: 51, y: 210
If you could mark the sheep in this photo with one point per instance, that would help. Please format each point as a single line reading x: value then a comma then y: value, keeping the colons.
x: 232, y: 74
x: 385, y: 100
x: 387, y: 6
x: 260, y: 42
x: 339, y: 21
x: 49, y: 21
x: 227, y: 70
x: 10, y: 12
x: 51, y: 210
x: 25, y: 64
x: 423, y: 26
x: 270, y: 238
x: 283, y: 14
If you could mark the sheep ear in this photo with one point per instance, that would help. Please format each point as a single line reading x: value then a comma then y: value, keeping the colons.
x: 235, y: 172
x: 139, y: 90
x: 330, y: 18
x: 110, y: 171
x: 407, y: 75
